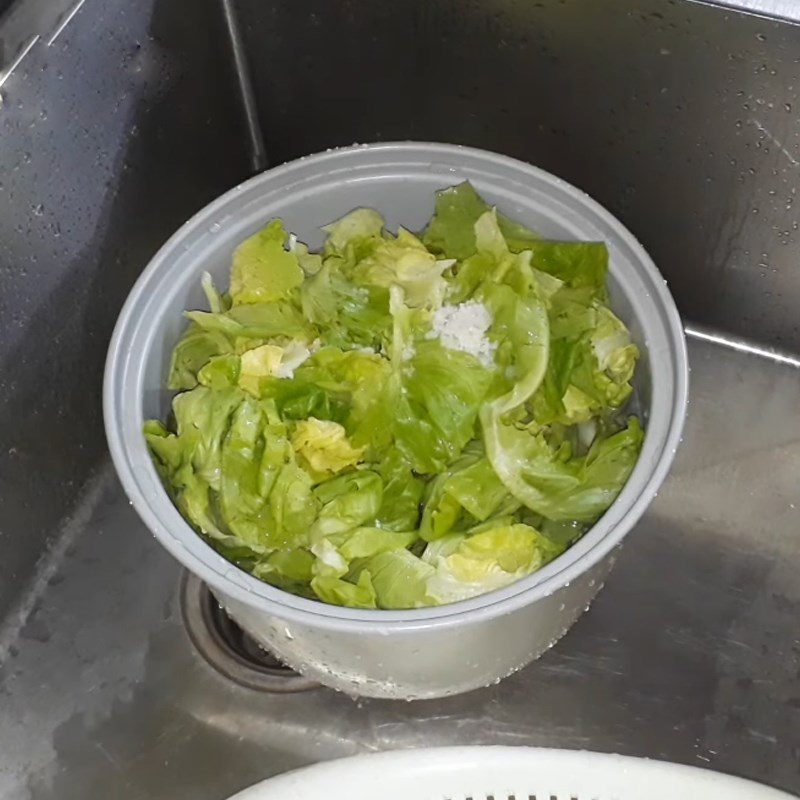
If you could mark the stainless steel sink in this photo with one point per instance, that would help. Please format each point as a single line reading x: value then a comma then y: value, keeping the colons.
x: 119, y: 120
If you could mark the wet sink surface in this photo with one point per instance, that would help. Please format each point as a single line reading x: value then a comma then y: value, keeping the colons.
x: 691, y: 652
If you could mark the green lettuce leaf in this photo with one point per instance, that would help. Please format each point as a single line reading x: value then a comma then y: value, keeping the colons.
x: 241, y: 502
x: 211, y: 459
x: 466, y: 566
x: 216, y: 302
x: 451, y: 231
x: 193, y: 350
x: 323, y: 448
x: 353, y: 236
x: 309, y: 262
x: 293, y: 507
x: 562, y: 487
x: 477, y: 489
x: 202, y: 418
x: 220, y: 372
x: 294, y: 565
x: 256, y: 320
x: 165, y: 448
x: 450, y: 386
x: 402, y: 493
x: 433, y: 395
x: 347, y: 387
x: 405, y: 262
x: 340, y: 592
x: 442, y: 511
x: 612, y: 347
x: 347, y: 501
x: 592, y: 360
x: 368, y: 542
x: 400, y: 579
x: 578, y: 264
x: 263, y: 270
x: 347, y: 315
x: 469, y: 491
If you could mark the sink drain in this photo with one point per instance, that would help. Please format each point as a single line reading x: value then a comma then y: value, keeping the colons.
x: 227, y: 648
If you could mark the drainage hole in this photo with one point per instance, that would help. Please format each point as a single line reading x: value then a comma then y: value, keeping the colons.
x: 229, y: 649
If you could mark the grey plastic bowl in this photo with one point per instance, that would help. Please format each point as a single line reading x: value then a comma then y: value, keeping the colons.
x: 425, y: 652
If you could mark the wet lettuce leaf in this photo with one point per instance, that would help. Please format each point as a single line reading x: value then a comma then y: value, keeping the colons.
x: 466, y: 566
x: 263, y: 269
x: 451, y: 231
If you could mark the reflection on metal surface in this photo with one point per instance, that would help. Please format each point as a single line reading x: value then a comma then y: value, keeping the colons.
x: 64, y: 22
x: 25, y: 23
x: 741, y: 346
x: 774, y: 9
x: 258, y: 153
x: 48, y: 565
x: 6, y: 73
x: 768, y: 134
x: 227, y: 648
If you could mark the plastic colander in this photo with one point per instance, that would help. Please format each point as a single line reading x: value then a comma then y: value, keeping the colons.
x: 505, y: 773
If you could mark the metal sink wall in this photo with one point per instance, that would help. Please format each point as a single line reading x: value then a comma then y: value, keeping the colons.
x: 680, y: 118
x: 120, y: 120
x: 109, y: 138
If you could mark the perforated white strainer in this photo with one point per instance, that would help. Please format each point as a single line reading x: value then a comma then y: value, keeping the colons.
x: 504, y: 773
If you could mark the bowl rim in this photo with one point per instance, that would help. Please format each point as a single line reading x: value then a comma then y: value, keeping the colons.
x: 228, y: 579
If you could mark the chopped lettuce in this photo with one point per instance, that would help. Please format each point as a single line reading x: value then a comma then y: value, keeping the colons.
x: 591, y: 363
x: 405, y: 262
x: 329, y: 438
x: 402, y: 493
x: 347, y: 501
x: 400, y: 579
x: 343, y: 593
x: 293, y: 507
x: 322, y: 446
x: 346, y: 314
x: 355, y: 231
x: 451, y: 230
x: 263, y: 269
x: 467, y: 566
x: 194, y: 350
x: 557, y: 484
x: 255, y: 321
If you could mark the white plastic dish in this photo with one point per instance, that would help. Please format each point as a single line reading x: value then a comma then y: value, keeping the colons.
x: 426, y: 652
x: 505, y: 773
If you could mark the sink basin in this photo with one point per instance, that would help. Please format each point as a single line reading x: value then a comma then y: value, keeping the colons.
x: 118, y: 122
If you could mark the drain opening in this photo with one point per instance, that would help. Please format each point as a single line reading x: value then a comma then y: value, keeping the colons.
x: 228, y: 648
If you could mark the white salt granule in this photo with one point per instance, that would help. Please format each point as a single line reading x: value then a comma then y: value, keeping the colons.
x: 463, y: 327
